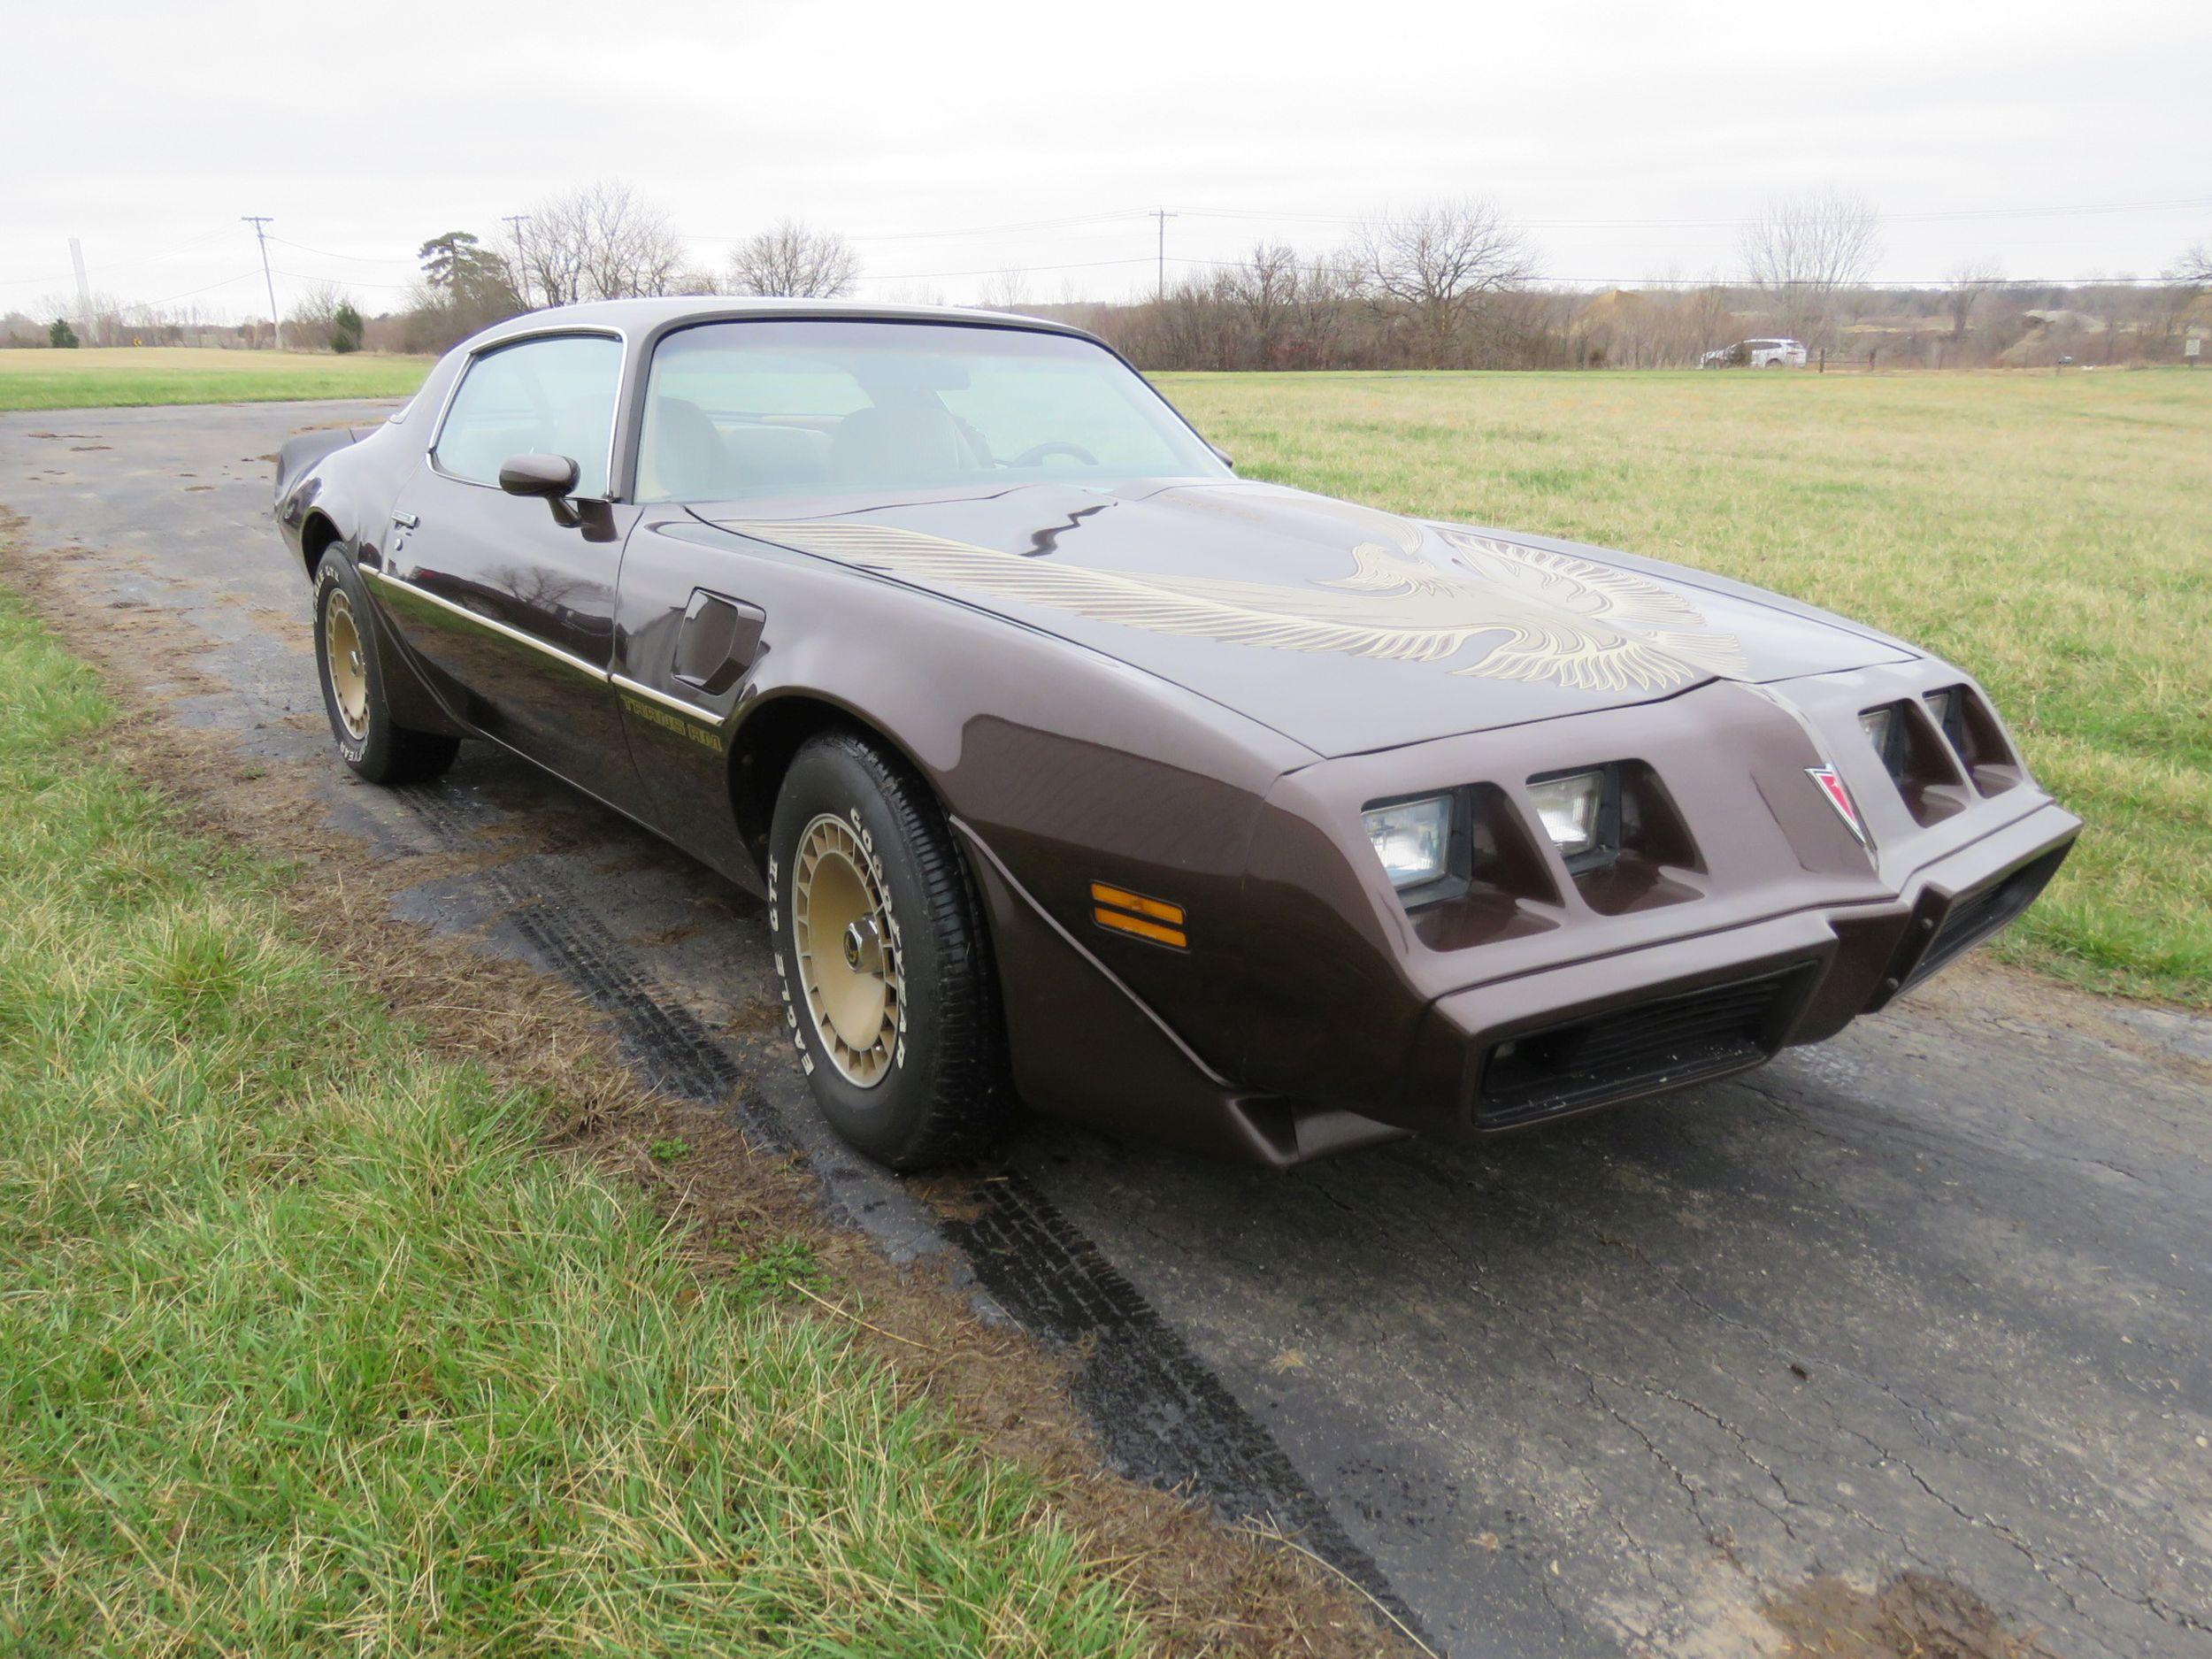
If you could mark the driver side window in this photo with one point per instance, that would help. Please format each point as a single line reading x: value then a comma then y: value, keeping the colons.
x: 540, y: 396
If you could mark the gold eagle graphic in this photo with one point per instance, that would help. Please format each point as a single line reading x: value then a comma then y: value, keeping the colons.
x: 1552, y: 617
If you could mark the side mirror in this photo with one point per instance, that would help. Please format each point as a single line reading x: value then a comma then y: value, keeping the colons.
x: 1222, y: 456
x: 552, y: 478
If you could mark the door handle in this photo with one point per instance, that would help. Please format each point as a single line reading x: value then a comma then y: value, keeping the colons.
x: 405, y: 520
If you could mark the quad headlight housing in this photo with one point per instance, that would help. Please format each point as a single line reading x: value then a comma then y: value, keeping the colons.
x: 1570, y: 807
x: 1413, y: 838
x: 1427, y: 843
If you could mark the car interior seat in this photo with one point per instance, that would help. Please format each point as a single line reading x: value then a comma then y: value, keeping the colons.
x: 764, y: 456
x: 682, y: 458
x: 899, y: 441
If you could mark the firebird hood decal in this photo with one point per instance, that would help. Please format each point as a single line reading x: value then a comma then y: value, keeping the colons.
x: 1549, y: 616
x: 1342, y: 626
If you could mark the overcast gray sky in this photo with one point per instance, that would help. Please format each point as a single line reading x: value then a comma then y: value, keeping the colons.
x: 1627, y: 138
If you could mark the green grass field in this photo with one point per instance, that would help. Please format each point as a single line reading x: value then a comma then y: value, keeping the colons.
x: 2053, y: 536
x: 125, y: 375
x: 306, y: 1347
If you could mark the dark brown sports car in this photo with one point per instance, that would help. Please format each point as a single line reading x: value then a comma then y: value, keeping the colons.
x: 1080, y: 771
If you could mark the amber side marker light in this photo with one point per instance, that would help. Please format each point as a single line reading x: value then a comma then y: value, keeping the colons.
x: 1127, y: 912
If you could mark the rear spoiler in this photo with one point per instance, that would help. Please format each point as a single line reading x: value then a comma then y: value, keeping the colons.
x: 302, y: 451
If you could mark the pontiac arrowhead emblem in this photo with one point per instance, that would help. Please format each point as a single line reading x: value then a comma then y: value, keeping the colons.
x: 1839, y: 798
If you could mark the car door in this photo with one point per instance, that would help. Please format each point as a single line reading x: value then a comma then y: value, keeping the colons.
x: 511, y: 597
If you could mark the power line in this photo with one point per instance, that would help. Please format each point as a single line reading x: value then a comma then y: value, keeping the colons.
x: 1000, y: 230
x: 303, y: 276
x: 119, y: 264
x: 1163, y: 215
x: 515, y: 222
x: 1018, y: 269
x: 1872, y: 283
x: 147, y: 305
x: 1161, y: 259
x: 350, y: 258
x: 1543, y: 280
x: 1069, y: 223
x: 260, y: 223
x: 2193, y: 201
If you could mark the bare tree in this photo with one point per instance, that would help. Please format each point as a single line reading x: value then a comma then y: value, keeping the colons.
x: 1802, y: 248
x: 1007, y: 291
x: 1968, y: 282
x: 1264, y: 290
x: 1443, y: 264
x: 314, y: 317
x: 1324, y: 310
x: 1709, y: 319
x: 794, y: 260
x: 2177, y: 302
x: 600, y: 242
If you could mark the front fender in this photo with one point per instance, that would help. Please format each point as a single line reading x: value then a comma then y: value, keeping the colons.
x: 1071, y: 770
x: 1068, y: 767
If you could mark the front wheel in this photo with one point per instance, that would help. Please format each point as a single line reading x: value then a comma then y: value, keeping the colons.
x: 889, y: 992
x: 374, y: 745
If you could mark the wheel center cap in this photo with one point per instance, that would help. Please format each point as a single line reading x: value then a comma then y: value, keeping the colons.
x: 863, y: 946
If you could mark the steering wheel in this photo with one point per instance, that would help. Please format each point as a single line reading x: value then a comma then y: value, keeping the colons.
x: 1037, y: 452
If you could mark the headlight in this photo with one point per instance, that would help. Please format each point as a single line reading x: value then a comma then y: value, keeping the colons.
x: 1877, y: 724
x: 1569, y: 809
x: 1413, y: 838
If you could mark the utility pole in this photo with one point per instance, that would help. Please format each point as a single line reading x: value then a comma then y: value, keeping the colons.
x: 515, y: 222
x: 1163, y: 215
x: 84, y: 291
x: 259, y: 221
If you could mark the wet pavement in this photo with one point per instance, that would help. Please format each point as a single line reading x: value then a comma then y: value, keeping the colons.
x: 1929, y: 1299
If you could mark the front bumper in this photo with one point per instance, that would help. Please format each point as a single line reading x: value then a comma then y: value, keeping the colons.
x: 1591, y: 1034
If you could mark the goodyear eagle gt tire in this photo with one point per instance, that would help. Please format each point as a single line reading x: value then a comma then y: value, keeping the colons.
x: 370, y: 741
x: 888, y: 991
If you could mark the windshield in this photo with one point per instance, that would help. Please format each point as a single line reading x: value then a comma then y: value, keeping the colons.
x: 793, y: 407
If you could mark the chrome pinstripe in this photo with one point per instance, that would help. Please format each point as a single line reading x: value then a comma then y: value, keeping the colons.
x: 491, y: 624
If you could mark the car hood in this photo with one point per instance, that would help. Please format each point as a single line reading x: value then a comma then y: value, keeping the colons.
x: 1342, y: 627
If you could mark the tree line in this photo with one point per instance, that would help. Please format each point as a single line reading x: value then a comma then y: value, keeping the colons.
x: 1450, y: 284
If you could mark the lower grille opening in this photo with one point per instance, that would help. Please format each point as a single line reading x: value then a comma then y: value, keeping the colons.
x: 1976, y: 916
x: 1663, y: 1043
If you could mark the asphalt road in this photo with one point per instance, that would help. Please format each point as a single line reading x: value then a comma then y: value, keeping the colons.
x: 1932, y: 1298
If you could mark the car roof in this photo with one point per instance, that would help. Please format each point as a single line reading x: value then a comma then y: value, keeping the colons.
x: 640, y: 317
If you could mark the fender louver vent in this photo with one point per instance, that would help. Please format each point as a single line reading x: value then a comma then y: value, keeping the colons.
x: 1660, y: 1044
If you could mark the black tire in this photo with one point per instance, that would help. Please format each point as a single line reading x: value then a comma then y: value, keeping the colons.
x: 939, y: 1093
x: 369, y: 741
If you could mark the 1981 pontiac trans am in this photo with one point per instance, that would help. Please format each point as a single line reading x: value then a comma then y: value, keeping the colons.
x: 1081, y: 773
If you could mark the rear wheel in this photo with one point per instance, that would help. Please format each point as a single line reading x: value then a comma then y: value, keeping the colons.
x: 369, y: 741
x: 888, y: 991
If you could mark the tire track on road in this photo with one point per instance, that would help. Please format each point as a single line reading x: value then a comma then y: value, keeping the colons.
x: 1164, y: 1417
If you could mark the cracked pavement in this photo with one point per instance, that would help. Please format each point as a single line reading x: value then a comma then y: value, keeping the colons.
x: 1931, y: 1296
